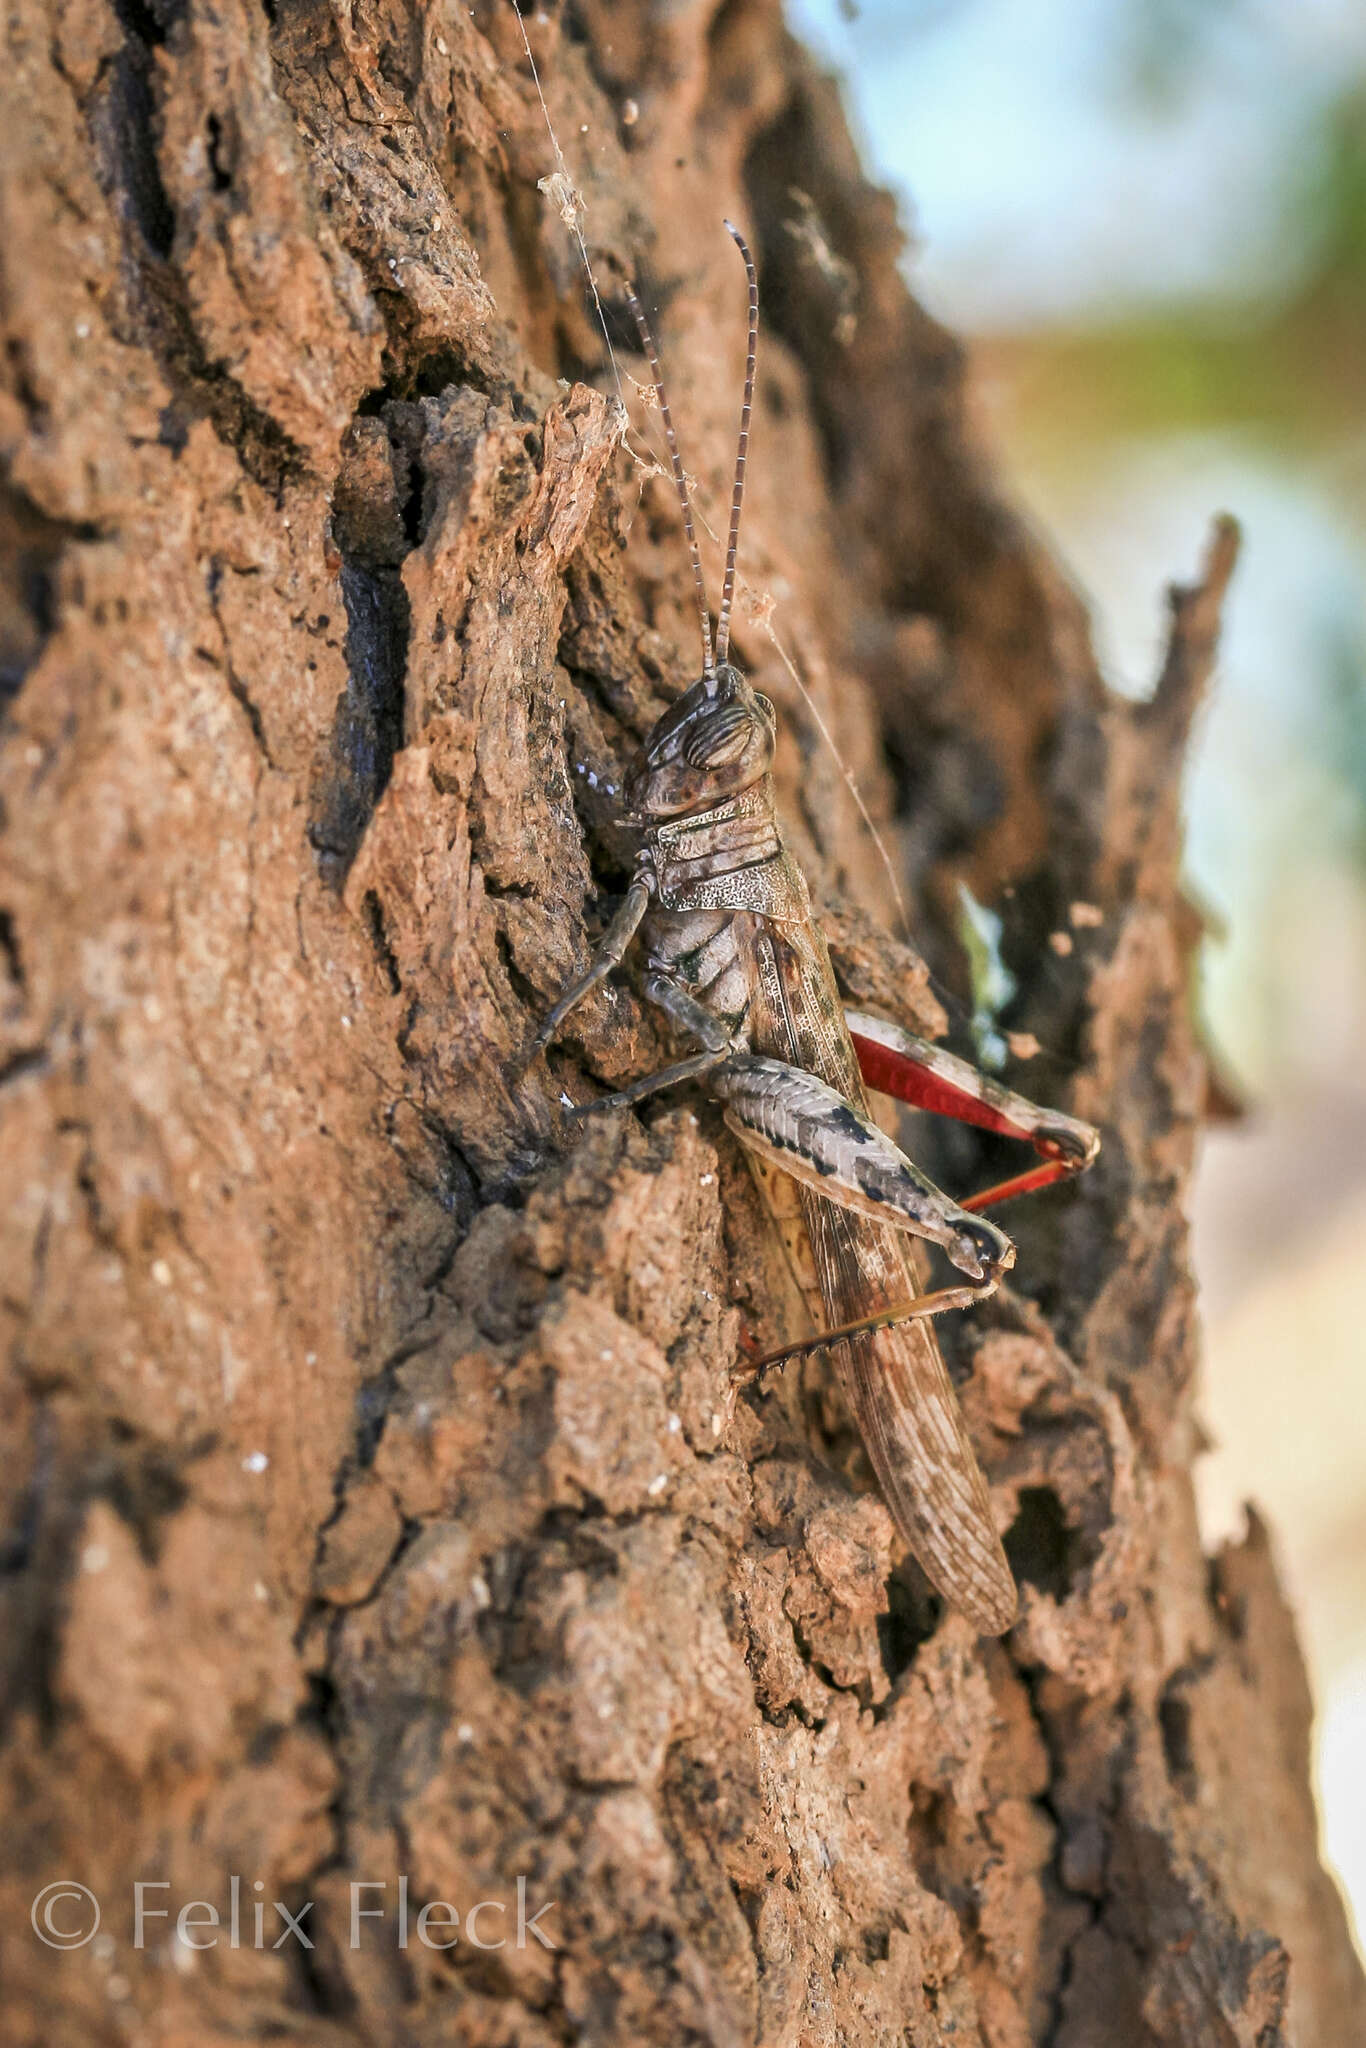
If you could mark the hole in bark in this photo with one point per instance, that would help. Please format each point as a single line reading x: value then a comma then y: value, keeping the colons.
x: 412, y: 504
x: 148, y: 22
x: 521, y: 987
x: 31, y: 546
x: 374, y: 919
x: 372, y: 1412
x: 323, y: 1706
x: 222, y: 176
x: 128, y: 115
x: 368, y: 724
x: 321, y: 1984
x: 144, y: 1489
x: 32, y: 1060
x: 18, y: 1543
x: 457, y: 1187
x: 1040, y: 1545
x: 172, y: 432
x: 35, y: 1564
x: 1174, y: 1718
x: 912, y: 1616
x: 875, y: 1943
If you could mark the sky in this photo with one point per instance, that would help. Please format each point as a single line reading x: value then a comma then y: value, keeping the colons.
x: 1056, y: 166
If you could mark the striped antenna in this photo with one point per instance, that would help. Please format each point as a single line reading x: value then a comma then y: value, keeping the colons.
x: 648, y: 344
x: 738, y: 492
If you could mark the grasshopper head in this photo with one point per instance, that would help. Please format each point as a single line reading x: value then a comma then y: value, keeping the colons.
x: 715, y: 740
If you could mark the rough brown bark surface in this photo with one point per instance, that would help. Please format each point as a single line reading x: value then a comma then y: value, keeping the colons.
x: 374, y: 1505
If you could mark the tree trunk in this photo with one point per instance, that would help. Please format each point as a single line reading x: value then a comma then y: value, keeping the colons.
x: 380, y: 1523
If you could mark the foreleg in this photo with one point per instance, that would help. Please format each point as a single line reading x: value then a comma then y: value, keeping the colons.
x: 610, y: 953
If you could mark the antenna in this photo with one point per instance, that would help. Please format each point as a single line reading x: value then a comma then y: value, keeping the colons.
x: 742, y: 450
x: 648, y: 343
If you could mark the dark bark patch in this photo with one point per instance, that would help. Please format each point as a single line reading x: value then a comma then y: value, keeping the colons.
x: 367, y: 725
x: 1040, y: 1544
x: 31, y: 547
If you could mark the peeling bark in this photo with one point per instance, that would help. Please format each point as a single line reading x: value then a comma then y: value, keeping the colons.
x: 375, y: 1506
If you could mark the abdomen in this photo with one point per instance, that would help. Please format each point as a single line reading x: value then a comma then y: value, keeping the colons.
x: 704, y: 950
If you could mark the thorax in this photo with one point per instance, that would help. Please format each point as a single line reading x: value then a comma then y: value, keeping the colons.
x: 730, y: 857
x: 731, y: 921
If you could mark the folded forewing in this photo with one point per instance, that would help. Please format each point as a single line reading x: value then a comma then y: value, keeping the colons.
x: 900, y: 1394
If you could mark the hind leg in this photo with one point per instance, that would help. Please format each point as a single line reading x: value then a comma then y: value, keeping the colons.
x: 897, y: 1063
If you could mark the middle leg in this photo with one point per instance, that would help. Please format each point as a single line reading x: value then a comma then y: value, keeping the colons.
x: 719, y: 1041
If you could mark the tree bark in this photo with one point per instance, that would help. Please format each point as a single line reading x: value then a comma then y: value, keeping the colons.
x: 376, y: 1509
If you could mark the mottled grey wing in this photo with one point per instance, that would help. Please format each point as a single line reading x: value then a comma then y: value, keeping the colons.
x: 900, y: 1394
x: 894, y: 1380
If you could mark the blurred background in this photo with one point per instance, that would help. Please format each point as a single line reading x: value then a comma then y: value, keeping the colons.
x: 1149, y: 219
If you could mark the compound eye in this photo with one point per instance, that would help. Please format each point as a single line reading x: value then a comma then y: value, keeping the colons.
x: 720, y: 739
x: 766, y: 711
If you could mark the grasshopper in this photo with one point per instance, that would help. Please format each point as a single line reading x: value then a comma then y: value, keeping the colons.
x: 737, y: 964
